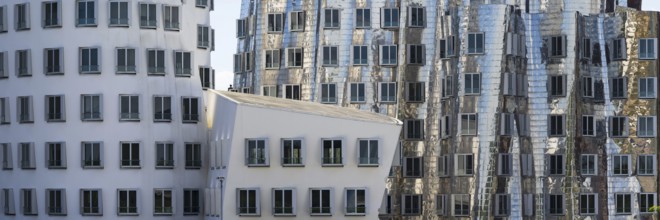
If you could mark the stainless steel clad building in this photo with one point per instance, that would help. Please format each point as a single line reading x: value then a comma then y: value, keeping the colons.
x: 513, y: 109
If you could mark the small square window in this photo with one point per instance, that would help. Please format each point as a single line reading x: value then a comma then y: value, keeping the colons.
x: 292, y: 152
x: 472, y: 84
x: 464, y: 164
x: 557, y: 125
x: 388, y: 92
x: 647, y: 88
x: 557, y: 46
x: 388, y: 55
x: 272, y: 59
x: 360, y: 55
x: 475, y: 43
x: 461, y: 204
x: 332, y: 152
x: 646, y: 165
x: 362, y: 18
x: 297, y: 21
x: 468, y: 124
x: 413, y: 129
x: 619, y: 87
x: 647, y: 49
x: 91, y: 201
x: 618, y: 126
x: 256, y: 152
x: 619, y: 51
x: 329, y: 93
x: 294, y: 57
x: 271, y: 91
x: 292, y: 92
x: 368, y: 152
x: 331, y: 18
x: 119, y: 14
x: 416, y: 54
x: 389, y: 17
x: 330, y: 56
x: 623, y: 203
x: 646, y: 126
x: 589, y: 164
x: 357, y: 92
x: 588, y: 203
x: 320, y: 201
x: 412, y: 205
x: 556, y: 204
x: 621, y: 165
x: 416, y: 17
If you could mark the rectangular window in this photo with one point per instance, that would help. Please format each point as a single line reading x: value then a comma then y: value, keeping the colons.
x: 8, y: 199
x: 619, y: 87
x: 4, y: 64
x: 556, y: 204
x: 460, y: 204
x: 556, y: 164
x: 468, y: 124
x: 331, y: 18
x: 127, y: 202
x: 389, y: 17
x: 588, y: 125
x: 294, y: 57
x: 25, y: 111
x: 329, y: 93
x: 283, y: 202
x: 29, y: 201
x: 297, y: 21
x: 447, y: 47
x: 619, y: 51
x: 256, y: 152
x: 415, y: 92
x: 56, y: 155
x: 203, y: 35
x: 388, y: 55
x: 504, y: 164
x: 557, y: 85
x: 89, y: 60
x: 321, y: 201
x: 475, y: 43
x: 558, y: 46
x: 588, y: 87
x: 623, y: 203
x: 23, y: 63
x: 148, y: 16
x: 164, y: 155
x: 191, y: 202
x: 247, y: 61
x: 5, y: 117
x: 332, y: 152
x: 182, y: 63
x: 447, y: 85
x: 7, y: 162
x: 3, y: 20
x: 509, y: 85
x: 91, y: 107
x: 155, y: 61
x: 162, y: 108
x: 412, y: 204
x: 472, y: 84
x: 292, y: 152
x: 557, y: 125
x: 646, y: 165
x: 193, y: 155
x: 443, y: 166
x: 647, y: 49
x: 330, y: 56
x: 413, y: 129
x: 356, y: 201
x: 22, y: 16
x: 190, y: 106
x: 388, y: 92
x: 362, y: 18
x: 275, y: 23
x: 589, y: 164
x: 272, y: 59
x: 502, y: 204
x: 207, y: 77
x: 53, y: 61
x: 91, y: 202
x: 464, y: 164
x: 506, y: 124
x: 646, y: 201
x: 647, y: 88
x: 621, y: 165
x: 588, y: 203
x: 202, y: 3
x: 51, y: 14
x: 56, y: 202
x: 271, y: 91
x: 292, y: 92
x: 368, y: 152
x: 360, y: 55
x: 130, y: 155
x: 619, y: 126
x: 413, y: 167
x: 92, y: 155
x: 55, y: 108
x: 163, y: 202
x: 416, y: 17
x: 441, y: 205
x: 586, y: 48
x: 27, y: 155
x: 86, y: 13
x: 247, y: 202
x: 416, y: 54
x: 646, y: 126
x: 171, y: 17
x: 357, y: 92
x: 119, y: 14
x: 126, y: 61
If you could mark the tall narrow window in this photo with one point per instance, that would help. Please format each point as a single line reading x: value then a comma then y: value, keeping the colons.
x: 155, y: 61
x: 475, y: 43
x: 589, y: 164
x: 461, y: 204
x: 389, y: 17
x: 127, y: 202
x: 556, y: 164
x: 182, y: 63
x: 588, y: 87
x: 51, y: 14
x: 3, y: 20
x: 207, y: 77
x: 27, y: 156
x: 618, y: 126
x: 8, y: 199
x: 506, y: 124
x: 647, y: 49
x: 330, y: 56
x: 56, y: 202
x: 203, y: 35
x: 89, y: 60
x: 171, y: 18
x: 416, y: 17
x: 360, y: 55
x: 504, y: 164
x: 502, y: 204
x: 328, y: 93
x: 256, y: 152
x: 362, y: 18
x: 86, y: 13
x: 557, y: 85
x: 357, y: 92
x: 4, y: 63
x: 388, y: 92
x: 443, y: 166
x: 283, y: 202
x: 441, y: 205
x: 416, y: 54
x: 646, y: 201
x: 22, y: 16
x: 297, y: 21
x: 247, y: 201
x: 292, y: 152
x: 130, y: 155
x: 356, y: 202
x: 56, y: 155
x: 292, y: 92
x: 619, y: 87
x: 55, y: 108
x: 193, y: 155
x: 91, y: 202
x: 556, y: 204
x: 557, y: 46
x: 92, y: 155
x: 29, y: 201
x: 331, y: 18
x: 275, y: 23
x: 388, y: 55
x: 53, y: 61
x: 23, y: 63
x: 164, y: 155
x: 191, y: 202
x: 119, y: 14
x: 447, y: 86
x: 7, y: 156
x: 320, y: 201
x: 332, y: 152
x: 163, y: 108
x: 586, y: 48
x: 25, y: 111
x: 588, y: 203
x: 294, y: 57
x: 91, y: 107
x: 148, y: 15
x: 619, y: 49
x: 163, y: 203
x: 368, y: 152
x: 588, y: 125
x: 126, y: 61
x: 647, y: 88
x: 557, y: 125
x: 272, y: 59
x: 190, y: 106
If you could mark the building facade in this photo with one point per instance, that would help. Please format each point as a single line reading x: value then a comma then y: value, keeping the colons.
x: 511, y: 109
x: 101, y: 108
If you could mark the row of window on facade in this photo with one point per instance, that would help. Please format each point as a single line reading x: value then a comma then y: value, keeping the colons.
x: 91, y: 108
x: 555, y: 165
x: 460, y: 204
x: 132, y: 155
x: 87, y: 15
x: 129, y: 202
x: 293, y: 151
x: 320, y: 201
x: 89, y: 62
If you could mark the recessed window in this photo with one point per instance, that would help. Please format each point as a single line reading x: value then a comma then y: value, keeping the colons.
x: 190, y: 106
x: 56, y: 155
x: 556, y: 164
x: 416, y: 17
x: 388, y: 92
x: 51, y: 14
x: 586, y: 48
x: 256, y: 152
x: 619, y: 51
x: 55, y: 108
x: 557, y: 125
x: 647, y: 88
x: 413, y: 167
x: 329, y: 93
x: 164, y: 155
x: 588, y: 203
x: 9, y: 201
x: 23, y: 63
x: 357, y: 92
x: 242, y: 28
x: 557, y: 46
x: 360, y: 55
x: 502, y: 204
x: 556, y: 204
x: 29, y: 202
x: 191, y: 202
x: 89, y: 60
x: 475, y: 43
x: 5, y: 117
x: 126, y: 61
x: 7, y: 156
x: 127, y: 202
x: 182, y: 63
x: 362, y: 18
x: 472, y: 83
x: 557, y: 85
x: 415, y: 92
x: 297, y: 21
x: 506, y: 124
x: 162, y: 108
x: 646, y: 201
x: 468, y: 124
x: 4, y: 65
x: 247, y: 61
x: 292, y: 152
x: 292, y: 92
x: 368, y: 152
x: 389, y: 17
x: 504, y: 164
x: 171, y: 20
x: 623, y: 203
x: 413, y: 129
x: 56, y: 202
x: 588, y: 87
x: 148, y: 16
x: 464, y: 164
x: 91, y: 202
x: 412, y: 204
x: 91, y: 107
x: 332, y: 152
x: 130, y: 155
x: 331, y: 18
x: 22, y: 16
x: 447, y: 86
x: 356, y: 201
x: 203, y: 36
x: 272, y: 91
x: 163, y: 204
x: 25, y: 111
x: 588, y: 164
x: 461, y: 204
x: 202, y: 3
x: 86, y: 13
x: 447, y: 47
x: 646, y: 164
x: 275, y: 23
x: 618, y: 126
x: 330, y: 57
x: 193, y: 155
x: 588, y: 125
x: 647, y: 48
x: 646, y: 126
x: 619, y: 87
x: 207, y: 77
x: 26, y: 154
x: 272, y: 59
x: 443, y: 166
x: 53, y: 61
x: 621, y: 165
x: 321, y: 201
x: 416, y: 54
x: 155, y: 61
x: 441, y: 205
x: 119, y: 14
x: 3, y: 19
x: 294, y: 57
x: 284, y: 202
x: 92, y: 155
x: 388, y: 55
x: 509, y: 85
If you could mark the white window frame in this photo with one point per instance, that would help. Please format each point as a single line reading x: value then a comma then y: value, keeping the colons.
x: 116, y: 20
x: 24, y: 111
x: 556, y: 125
x: 86, y: 204
x: 504, y: 164
x: 472, y: 84
x: 290, y: 91
x: 330, y: 55
x: 324, y: 209
x: 411, y: 204
x: 207, y: 77
x: 557, y: 46
x: 464, y: 165
x: 392, y: 55
x: 417, y: 126
x: 357, y: 208
x: 159, y: 206
x: 55, y: 108
x: 275, y: 23
x: 333, y: 19
x: 394, y: 16
x: 86, y: 20
x: 357, y: 92
x: 622, y: 128
x: 625, y: 162
x: 329, y: 93
x: 473, y: 43
x: 370, y: 159
x: 558, y: 201
x: 646, y: 126
x: 291, y: 158
x: 362, y: 18
x: 586, y: 168
x: 148, y: 12
x: 332, y: 160
x: 592, y: 206
x: 626, y: 208
x: 297, y: 21
x: 416, y: 17
x: 643, y: 169
x: 291, y: 57
x: 257, y: 152
x: 647, y: 87
x: 360, y: 54
x: 588, y: 125
x: 87, y: 107
x: 283, y: 209
x: 7, y: 156
x: 465, y: 207
x: 164, y: 155
x: 465, y: 127
x: 202, y: 3
x: 272, y: 59
x: 132, y: 199
x: 96, y: 149
x: 170, y: 22
x: 619, y: 49
x: 647, y: 48
x: 388, y: 92
x: 55, y: 18
x: 127, y: 68
x: 56, y: 155
x: 133, y: 161
x: 617, y: 92
x: 165, y: 103
x: 416, y: 54
x: 193, y: 155
x: 555, y: 167
x: 203, y: 36
x: 270, y: 90
x: 651, y: 198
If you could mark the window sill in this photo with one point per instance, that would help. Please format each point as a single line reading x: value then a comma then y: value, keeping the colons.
x: 183, y: 75
x: 148, y: 27
x: 129, y: 120
x: 126, y: 73
x: 355, y: 214
x: 92, y: 120
x: 332, y: 165
x: 171, y: 29
x: 368, y: 165
x: 52, y: 26
x: 26, y: 122
x: 294, y: 67
x: 162, y: 214
x: 202, y: 47
x: 93, y: 167
x: 329, y: 102
x: 249, y: 215
x: 363, y: 27
x: 130, y: 167
x: 359, y: 65
x: 285, y: 215
x: 155, y: 74
x: 86, y: 25
x: 164, y: 167
x: 119, y: 25
x: 22, y: 29
x: 647, y: 59
x: 24, y: 75
x: 646, y: 175
x: 91, y: 214
x: 320, y: 214
x: 475, y: 54
x: 293, y: 165
x: 258, y: 165
x: 128, y: 214
x: 190, y: 214
x: 193, y: 168
x: 7, y: 168
x: 57, y: 214
x: 272, y: 68
x: 390, y: 27
x: 647, y: 97
x: 190, y: 122
x: 464, y: 175
x: 162, y: 121
x: 90, y: 72
x: 54, y: 73
x: 57, y: 167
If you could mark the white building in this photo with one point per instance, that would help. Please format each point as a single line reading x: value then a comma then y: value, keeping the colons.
x: 101, y: 108
x: 276, y: 157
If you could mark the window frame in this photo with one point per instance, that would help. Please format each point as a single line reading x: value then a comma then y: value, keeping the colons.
x: 335, y: 18
x: 26, y: 154
x: 127, y: 68
x: 471, y: 131
x: 644, y: 54
x: 22, y: 17
x: 626, y: 166
x: 464, y: 209
x: 584, y: 161
x: 644, y: 171
x: 203, y: 36
x: 555, y: 129
x: 180, y: 68
x: 46, y: 10
x: 623, y: 126
x: 362, y: 18
x: 369, y: 160
x: 7, y: 156
x: 390, y: 90
x: 4, y: 63
x: 591, y: 207
x: 53, y: 61
x: 88, y: 21
x: 170, y: 22
x: 643, y: 132
x: 97, y: 151
x: 441, y: 205
x: 165, y: 117
x: 151, y: 21
x: 469, y: 78
x: 357, y: 92
x: 3, y: 21
x: 166, y: 148
x: 416, y: 54
x: 588, y: 87
x: 502, y: 204
x: 360, y: 55
x: 289, y: 158
x: 24, y: 109
x: 393, y: 22
x: 190, y: 113
x: 193, y: 155
x: 504, y: 164
x: 552, y: 205
x: 55, y: 113
x: 274, y: 23
x: 414, y: 19
x: 391, y: 61
x: 207, y: 77
x: 588, y: 126
x: 623, y: 210
x: 260, y: 158
x: 650, y: 87
x: 128, y: 210
x: 586, y: 48
x: 415, y: 92
x: 29, y: 202
x: 119, y: 21
x: 270, y: 90
x: 159, y: 68
x: 417, y: 126
x: 555, y: 167
x: 56, y: 202
x: 557, y: 46
x: 272, y: 59
x: 357, y: 209
x: 328, y: 93
x: 91, y: 210
x: 474, y: 49
x: 5, y: 112
x: 23, y: 62
x: 616, y: 92
x: 557, y: 85
x: 619, y: 49
x: 163, y: 210
x: 330, y: 55
x: 93, y: 116
x: 133, y: 161
x: 411, y: 204
x: 332, y: 161
x: 192, y: 205
x: 282, y: 210
x: 323, y: 210
x: 467, y: 167
x: 641, y: 203
x: 291, y: 88
x: 90, y: 68
x: 291, y: 57
x: 295, y: 20
x: 56, y: 155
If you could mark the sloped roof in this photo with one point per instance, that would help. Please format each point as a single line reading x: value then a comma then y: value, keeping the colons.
x: 306, y: 107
